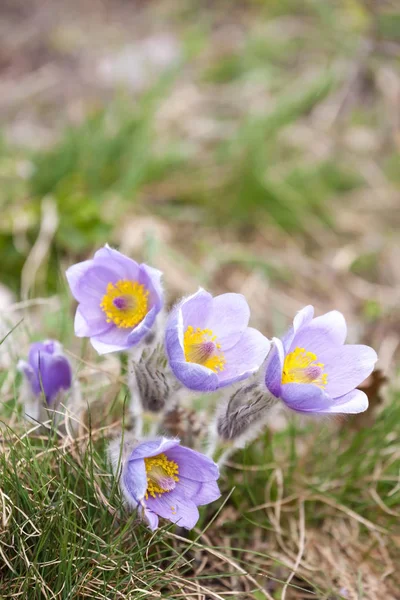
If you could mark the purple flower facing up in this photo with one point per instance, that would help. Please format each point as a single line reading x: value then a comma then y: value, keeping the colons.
x: 47, y: 371
x: 118, y: 299
x: 313, y: 371
x: 163, y: 479
x: 209, y: 344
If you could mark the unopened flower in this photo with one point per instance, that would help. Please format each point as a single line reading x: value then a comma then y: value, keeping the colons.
x: 209, y: 344
x: 47, y: 372
x: 161, y: 478
x: 118, y: 299
x: 313, y: 371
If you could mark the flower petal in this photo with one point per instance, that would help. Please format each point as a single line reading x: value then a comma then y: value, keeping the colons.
x: 153, y: 447
x: 134, y: 481
x: 304, y: 397
x: 194, y: 376
x: 142, y: 328
x: 352, y: 403
x: 196, y: 309
x: 112, y: 340
x: 322, y: 333
x: 123, y: 266
x: 303, y: 317
x: 173, y: 507
x: 208, y: 492
x: 74, y: 275
x: 228, y: 319
x: 273, y: 373
x: 193, y: 465
x: 347, y: 367
x: 151, y: 279
x: 90, y: 320
x: 245, y: 357
x: 151, y: 519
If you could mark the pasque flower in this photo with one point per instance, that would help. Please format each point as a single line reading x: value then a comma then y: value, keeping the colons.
x: 118, y: 299
x: 48, y: 370
x: 313, y: 371
x: 209, y: 344
x: 164, y: 479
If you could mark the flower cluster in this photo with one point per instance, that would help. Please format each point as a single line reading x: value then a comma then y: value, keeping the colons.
x: 203, y: 345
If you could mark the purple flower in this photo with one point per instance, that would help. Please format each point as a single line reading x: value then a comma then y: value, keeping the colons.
x: 47, y: 371
x: 209, y: 344
x: 118, y: 299
x: 312, y: 370
x: 164, y: 479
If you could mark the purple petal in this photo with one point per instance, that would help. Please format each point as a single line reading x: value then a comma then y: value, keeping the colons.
x: 93, y: 286
x: 112, y: 340
x: 228, y: 319
x: 305, y: 397
x: 90, y: 320
x: 193, y: 465
x: 208, y: 492
x: 273, y: 373
x: 151, y: 519
x: 174, y: 336
x: 303, y: 318
x: 347, y: 367
x: 30, y: 375
x: 134, y: 481
x: 75, y: 273
x: 245, y: 357
x: 123, y: 266
x: 54, y: 374
x: 153, y: 447
x: 142, y: 328
x: 196, y: 309
x: 194, y: 376
x: 173, y: 507
x: 322, y: 333
x: 151, y: 279
x: 352, y: 403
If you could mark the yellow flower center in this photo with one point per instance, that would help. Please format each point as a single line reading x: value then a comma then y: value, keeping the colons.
x: 162, y: 475
x: 125, y: 303
x: 200, y: 346
x: 302, y: 367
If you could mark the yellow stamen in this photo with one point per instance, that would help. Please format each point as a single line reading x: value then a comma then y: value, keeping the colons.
x: 162, y: 474
x: 301, y: 367
x: 125, y: 303
x: 200, y: 346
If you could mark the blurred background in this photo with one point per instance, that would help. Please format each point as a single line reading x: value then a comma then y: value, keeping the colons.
x: 250, y: 146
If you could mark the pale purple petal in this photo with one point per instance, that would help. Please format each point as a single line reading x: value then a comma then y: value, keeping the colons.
x: 352, y: 403
x: 112, y: 340
x: 305, y: 397
x: 347, y: 367
x: 322, y: 333
x: 174, y: 337
x: 208, y: 492
x: 123, y: 266
x: 142, y: 328
x: 93, y: 286
x: 30, y: 375
x: 194, y: 376
x: 302, y: 318
x: 245, y: 357
x: 228, y: 319
x: 193, y: 465
x: 151, y: 519
x: 90, y: 320
x: 75, y: 273
x: 134, y: 480
x: 196, y: 309
x: 175, y: 508
x: 153, y: 447
x: 273, y: 373
x: 151, y: 279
